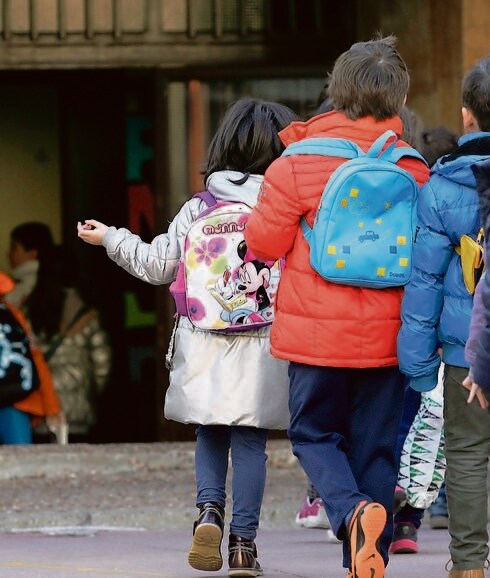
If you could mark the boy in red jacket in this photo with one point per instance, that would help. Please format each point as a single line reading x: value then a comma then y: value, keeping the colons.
x: 346, y: 392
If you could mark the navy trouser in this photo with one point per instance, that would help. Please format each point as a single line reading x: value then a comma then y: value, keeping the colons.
x: 248, y: 458
x: 344, y: 430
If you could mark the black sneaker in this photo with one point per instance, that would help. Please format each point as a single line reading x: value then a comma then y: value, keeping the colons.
x: 399, y: 499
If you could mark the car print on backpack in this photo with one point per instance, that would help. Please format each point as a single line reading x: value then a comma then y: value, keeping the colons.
x: 368, y: 236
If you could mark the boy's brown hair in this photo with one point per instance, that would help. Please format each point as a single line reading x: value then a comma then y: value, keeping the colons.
x: 476, y: 93
x: 370, y: 78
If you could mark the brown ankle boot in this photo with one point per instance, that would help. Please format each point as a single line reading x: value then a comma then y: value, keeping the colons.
x: 473, y: 573
x: 205, y: 552
x: 242, y: 557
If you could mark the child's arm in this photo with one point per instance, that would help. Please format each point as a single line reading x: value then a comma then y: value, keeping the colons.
x: 92, y: 231
x: 156, y: 262
x: 477, y: 324
x: 423, y: 298
x: 274, y: 223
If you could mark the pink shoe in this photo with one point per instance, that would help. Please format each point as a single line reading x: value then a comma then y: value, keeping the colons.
x: 312, y: 514
x: 404, y: 539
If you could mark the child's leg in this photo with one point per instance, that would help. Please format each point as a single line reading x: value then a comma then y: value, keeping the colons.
x: 319, y: 404
x: 377, y: 405
x: 467, y: 436
x: 249, y: 472
x: 411, y: 404
x: 212, y: 449
x: 15, y: 426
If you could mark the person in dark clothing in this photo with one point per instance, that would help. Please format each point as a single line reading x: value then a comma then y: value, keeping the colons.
x: 478, y: 346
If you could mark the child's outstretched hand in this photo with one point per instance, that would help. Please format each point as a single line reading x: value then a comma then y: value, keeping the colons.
x: 91, y: 231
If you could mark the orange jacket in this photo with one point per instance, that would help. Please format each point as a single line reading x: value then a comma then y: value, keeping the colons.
x: 44, y: 400
x: 318, y: 322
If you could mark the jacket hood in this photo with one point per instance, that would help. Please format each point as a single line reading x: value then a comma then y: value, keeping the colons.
x: 472, y: 149
x: 223, y: 186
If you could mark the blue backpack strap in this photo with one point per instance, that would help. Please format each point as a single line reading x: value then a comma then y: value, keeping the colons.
x: 207, y: 197
x: 329, y: 147
x: 343, y: 148
x: 392, y: 153
x: 401, y: 152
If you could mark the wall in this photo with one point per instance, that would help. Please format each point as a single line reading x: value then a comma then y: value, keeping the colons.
x: 29, y: 160
x: 440, y: 40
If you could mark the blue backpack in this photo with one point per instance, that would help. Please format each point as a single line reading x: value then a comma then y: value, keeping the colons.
x: 365, y: 223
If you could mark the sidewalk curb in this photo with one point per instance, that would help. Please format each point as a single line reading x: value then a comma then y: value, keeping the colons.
x: 55, y: 461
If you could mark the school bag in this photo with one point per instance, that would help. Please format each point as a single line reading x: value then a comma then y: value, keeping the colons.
x: 18, y: 373
x: 365, y: 223
x: 221, y: 285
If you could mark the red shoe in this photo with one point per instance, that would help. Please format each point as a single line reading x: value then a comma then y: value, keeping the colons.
x: 404, y: 539
x: 365, y: 529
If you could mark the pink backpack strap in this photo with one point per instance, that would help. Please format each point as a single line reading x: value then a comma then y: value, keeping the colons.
x: 177, y: 288
x: 207, y: 197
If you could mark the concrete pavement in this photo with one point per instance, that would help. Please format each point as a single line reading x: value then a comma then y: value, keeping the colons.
x: 95, y: 553
x: 126, y: 511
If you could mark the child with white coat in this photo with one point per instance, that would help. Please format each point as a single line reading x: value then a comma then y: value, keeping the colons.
x: 250, y: 386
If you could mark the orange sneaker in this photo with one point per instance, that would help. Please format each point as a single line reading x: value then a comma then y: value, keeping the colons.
x: 365, y: 529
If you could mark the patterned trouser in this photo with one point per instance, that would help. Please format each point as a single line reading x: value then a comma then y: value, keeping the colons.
x: 422, y: 461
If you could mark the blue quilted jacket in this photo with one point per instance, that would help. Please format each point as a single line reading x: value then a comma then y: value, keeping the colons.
x: 436, y: 308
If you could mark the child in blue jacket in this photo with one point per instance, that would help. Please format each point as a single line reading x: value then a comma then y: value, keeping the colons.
x: 436, y: 313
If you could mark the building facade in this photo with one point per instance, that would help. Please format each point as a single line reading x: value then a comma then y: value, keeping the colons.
x: 108, y: 107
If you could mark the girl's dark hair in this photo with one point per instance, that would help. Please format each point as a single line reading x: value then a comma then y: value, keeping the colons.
x: 476, y: 93
x: 247, y: 138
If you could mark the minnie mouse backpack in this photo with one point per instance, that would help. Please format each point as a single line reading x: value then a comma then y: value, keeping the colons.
x: 220, y: 284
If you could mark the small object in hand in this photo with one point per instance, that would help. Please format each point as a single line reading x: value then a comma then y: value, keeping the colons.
x: 86, y: 225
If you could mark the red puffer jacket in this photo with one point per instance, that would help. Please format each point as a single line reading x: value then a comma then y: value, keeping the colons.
x: 318, y: 322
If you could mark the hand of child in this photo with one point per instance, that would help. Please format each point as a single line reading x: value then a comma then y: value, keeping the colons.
x: 475, y: 391
x: 91, y: 231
